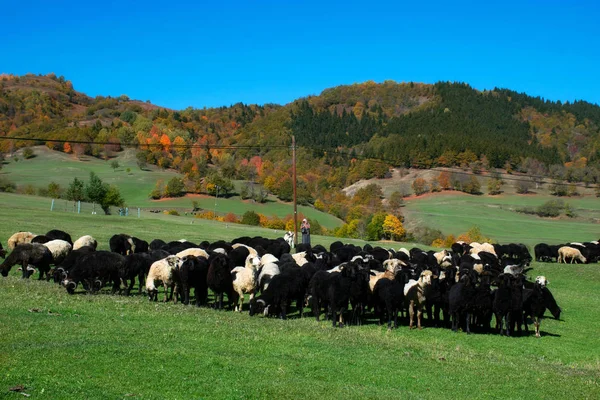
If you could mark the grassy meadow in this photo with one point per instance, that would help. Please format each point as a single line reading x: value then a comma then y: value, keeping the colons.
x: 136, y: 185
x: 102, y: 346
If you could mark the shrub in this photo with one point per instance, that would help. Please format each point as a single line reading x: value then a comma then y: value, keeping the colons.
x: 523, y: 187
x: 175, y: 187
x: 172, y: 212
x: 250, y: 218
x: 558, y: 189
x: 231, y: 217
x: 425, y: 235
x: 551, y: 208
x: 28, y: 153
x: 419, y: 186
x: 29, y: 190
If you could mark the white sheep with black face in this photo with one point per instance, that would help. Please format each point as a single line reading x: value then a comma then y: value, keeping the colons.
x: 289, y: 238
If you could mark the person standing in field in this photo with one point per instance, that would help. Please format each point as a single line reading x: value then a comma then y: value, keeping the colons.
x: 305, y: 229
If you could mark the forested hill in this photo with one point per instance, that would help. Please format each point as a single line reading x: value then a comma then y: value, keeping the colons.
x: 405, y: 124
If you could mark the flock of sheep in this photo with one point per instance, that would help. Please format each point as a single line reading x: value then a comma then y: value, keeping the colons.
x: 467, y: 285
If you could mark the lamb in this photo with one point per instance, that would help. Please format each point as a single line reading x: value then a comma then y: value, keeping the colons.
x: 94, y: 270
x: 245, y: 279
x: 20, y: 238
x: 219, y: 278
x: 415, y: 294
x: 192, y: 274
x: 570, y: 252
x: 85, y: 241
x: 163, y: 271
x: 59, y: 249
x: 27, y: 254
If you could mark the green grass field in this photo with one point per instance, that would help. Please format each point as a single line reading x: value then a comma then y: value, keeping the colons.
x: 454, y: 213
x: 101, y: 346
x: 136, y: 185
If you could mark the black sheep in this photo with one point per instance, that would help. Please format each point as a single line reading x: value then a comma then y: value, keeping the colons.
x: 290, y: 285
x: 219, y: 279
x: 35, y: 254
x: 2, y: 251
x: 55, y: 234
x: 60, y: 272
x: 94, y: 270
x: 460, y: 301
x: 141, y: 246
x: 135, y: 265
x: 388, y: 296
x: 503, y: 303
x: 121, y: 244
x: 193, y: 274
x: 41, y: 239
x: 317, y: 289
x: 157, y: 244
x: 543, y: 252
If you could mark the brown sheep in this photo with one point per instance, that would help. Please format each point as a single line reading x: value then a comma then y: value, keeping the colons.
x: 415, y: 293
x: 570, y: 252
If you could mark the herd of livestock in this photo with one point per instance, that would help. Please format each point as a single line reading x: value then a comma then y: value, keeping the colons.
x: 460, y: 288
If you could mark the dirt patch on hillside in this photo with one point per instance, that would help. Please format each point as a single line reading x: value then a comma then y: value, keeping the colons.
x: 187, y: 196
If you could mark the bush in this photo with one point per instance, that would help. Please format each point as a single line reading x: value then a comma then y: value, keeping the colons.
x: 425, y: 235
x: 175, y: 187
x: 28, y: 153
x: 172, y: 212
x: 250, y: 218
x: 551, y: 208
x: 558, y: 189
x: 523, y: 187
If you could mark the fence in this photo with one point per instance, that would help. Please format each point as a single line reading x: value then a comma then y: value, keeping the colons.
x: 91, y: 208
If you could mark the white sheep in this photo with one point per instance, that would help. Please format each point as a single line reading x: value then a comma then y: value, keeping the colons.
x: 20, y: 238
x: 415, y: 293
x: 59, y: 249
x: 163, y: 271
x: 267, y: 272
x: 300, y: 258
x: 443, y: 258
x: 570, y: 252
x: 392, y: 266
x: 193, y: 251
x: 245, y: 279
x: 86, y: 240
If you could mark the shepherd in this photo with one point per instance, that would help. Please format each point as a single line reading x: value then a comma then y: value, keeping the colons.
x: 305, y: 229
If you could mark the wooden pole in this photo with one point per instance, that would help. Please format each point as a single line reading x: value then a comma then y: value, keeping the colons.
x: 294, y: 184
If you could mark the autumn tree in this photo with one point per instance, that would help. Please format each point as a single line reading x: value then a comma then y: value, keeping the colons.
x: 494, y: 186
x: 392, y: 227
x: 419, y: 186
x: 444, y: 180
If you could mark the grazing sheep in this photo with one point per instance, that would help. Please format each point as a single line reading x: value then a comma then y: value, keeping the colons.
x: 59, y: 249
x: 135, y: 265
x: 85, y: 241
x: 163, y: 271
x: 192, y: 274
x: 566, y: 252
x: 415, y: 293
x: 245, y: 280
x: 56, y: 234
x: 26, y: 254
x: 61, y: 271
x: 19, y: 238
x: 94, y: 270
x: 122, y: 244
x: 267, y: 272
x: 157, y: 244
x: 291, y: 284
x: 140, y: 246
x: 219, y: 279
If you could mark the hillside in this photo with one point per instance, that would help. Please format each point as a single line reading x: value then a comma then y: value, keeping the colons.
x: 345, y: 134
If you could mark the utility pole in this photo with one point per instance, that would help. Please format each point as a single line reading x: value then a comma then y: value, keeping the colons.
x: 294, y: 184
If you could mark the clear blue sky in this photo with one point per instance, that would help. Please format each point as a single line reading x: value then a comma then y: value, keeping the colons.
x: 194, y: 53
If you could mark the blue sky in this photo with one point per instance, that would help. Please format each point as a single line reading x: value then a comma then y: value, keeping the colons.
x: 193, y: 53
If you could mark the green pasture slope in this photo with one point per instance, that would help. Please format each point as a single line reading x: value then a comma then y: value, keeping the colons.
x: 136, y: 185
x: 103, y: 347
x: 454, y: 213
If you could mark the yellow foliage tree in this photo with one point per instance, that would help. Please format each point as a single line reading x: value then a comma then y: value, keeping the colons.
x: 392, y: 227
